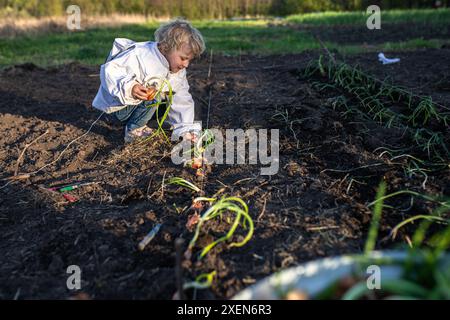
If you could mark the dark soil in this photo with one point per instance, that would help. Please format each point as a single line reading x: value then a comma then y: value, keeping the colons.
x: 315, y: 206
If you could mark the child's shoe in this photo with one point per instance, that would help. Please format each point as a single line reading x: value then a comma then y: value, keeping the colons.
x: 142, y: 132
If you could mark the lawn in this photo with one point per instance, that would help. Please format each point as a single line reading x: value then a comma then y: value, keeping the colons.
x: 441, y: 16
x: 263, y: 36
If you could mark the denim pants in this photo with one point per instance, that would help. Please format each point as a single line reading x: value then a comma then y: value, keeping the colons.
x: 134, y: 116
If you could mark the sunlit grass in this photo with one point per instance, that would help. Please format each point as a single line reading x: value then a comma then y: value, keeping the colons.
x: 412, y: 44
x: 258, y: 36
x: 441, y: 16
x: 92, y: 46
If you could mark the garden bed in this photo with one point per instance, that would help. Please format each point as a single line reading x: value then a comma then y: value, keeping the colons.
x: 315, y: 206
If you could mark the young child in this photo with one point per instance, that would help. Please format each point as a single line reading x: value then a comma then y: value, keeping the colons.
x: 132, y: 66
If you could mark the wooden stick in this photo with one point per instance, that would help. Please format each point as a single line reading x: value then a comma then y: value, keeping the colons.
x: 210, y: 89
x: 149, y: 237
x: 322, y: 228
x: 162, y: 186
x: 325, y: 49
x: 262, y: 211
x: 178, y: 268
x: 210, y: 63
x: 24, y: 149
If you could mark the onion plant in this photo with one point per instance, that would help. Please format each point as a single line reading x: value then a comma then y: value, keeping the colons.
x: 417, y: 115
x: 417, y: 217
x: 183, y: 183
x: 205, y: 139
x: 157, y: 101
x: 202, y: 281
x: 232, y: 205
x: 443, y: 203
x: 425, y: 271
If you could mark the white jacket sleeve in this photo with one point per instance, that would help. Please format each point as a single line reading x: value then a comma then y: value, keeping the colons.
x: 181, y: 114
x: 118, y: 77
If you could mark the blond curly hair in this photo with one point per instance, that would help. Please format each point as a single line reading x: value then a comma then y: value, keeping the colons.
x: 178, y: 32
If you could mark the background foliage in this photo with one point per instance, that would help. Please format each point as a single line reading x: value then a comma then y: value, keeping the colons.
x: 201, y: 9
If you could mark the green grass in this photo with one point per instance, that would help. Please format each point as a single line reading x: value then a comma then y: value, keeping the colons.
x: 224, y: 37
x: 412, y: 44
x: 92, y: 46
x: 441, y: 16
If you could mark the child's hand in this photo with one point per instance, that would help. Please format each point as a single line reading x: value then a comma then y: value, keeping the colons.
x: 151, y: 93
x: 139, y: 92
x: 190, y: 136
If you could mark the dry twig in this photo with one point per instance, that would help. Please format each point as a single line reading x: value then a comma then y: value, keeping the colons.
x: 25, y: 149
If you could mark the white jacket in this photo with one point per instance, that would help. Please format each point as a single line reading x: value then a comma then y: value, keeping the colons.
x: 130, y: 63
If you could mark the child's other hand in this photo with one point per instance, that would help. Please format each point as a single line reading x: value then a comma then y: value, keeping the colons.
x: 139, y: 92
